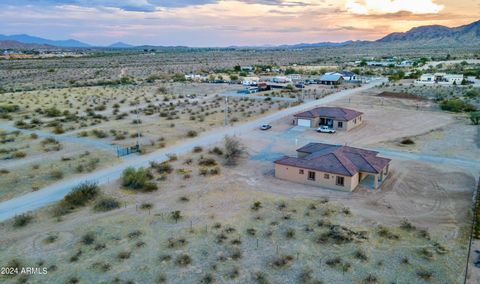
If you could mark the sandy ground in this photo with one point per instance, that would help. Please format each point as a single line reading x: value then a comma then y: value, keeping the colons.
x: 436, y: 197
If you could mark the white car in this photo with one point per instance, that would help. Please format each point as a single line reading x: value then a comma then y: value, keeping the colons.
x: 325, y: 129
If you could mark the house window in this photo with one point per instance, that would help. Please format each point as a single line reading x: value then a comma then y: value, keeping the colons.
x: 340, y: 181
x: 311, y: 175
x: 326, y: 176
x: 355, y: 121
x: 340, y: 124
x: 300, y: 172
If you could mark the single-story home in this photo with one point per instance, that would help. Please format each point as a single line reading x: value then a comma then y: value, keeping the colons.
x: 346, y: 75
x: 441, y: 78
x: 334, y: 117
x: 331, y: 79
x: 333, y: 166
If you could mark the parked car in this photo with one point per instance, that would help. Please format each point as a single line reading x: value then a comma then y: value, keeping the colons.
x: 325, y: 129
x: 300, y: 85
x: 265, y: 127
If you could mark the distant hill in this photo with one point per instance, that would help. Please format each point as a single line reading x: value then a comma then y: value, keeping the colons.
x: 13, y: 44
x: 436, y: 34
x: 23, y: 38
x: 120, y: 45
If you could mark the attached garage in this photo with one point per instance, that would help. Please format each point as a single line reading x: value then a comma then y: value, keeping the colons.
x: 304, y: 122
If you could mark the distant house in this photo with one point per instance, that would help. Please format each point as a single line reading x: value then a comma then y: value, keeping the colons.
x: 346, y: 75
x: 247, y: 68
x: 250, y: 81
x: 333, y: 117
x: 331, y: 79
x: 333, y: 166
x: 441, y: 78
x: 281, y: 79
x: 294, y: 77
x: 405, y: 63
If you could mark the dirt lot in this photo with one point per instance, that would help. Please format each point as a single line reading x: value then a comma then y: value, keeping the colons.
x: 287, y: 228
x: 412, y: 230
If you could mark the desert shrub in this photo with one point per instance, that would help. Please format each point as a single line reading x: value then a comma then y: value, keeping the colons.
x: 425, y: 274
x: 138, y: 179
x: 282, y: 261
x: 207, y: 162
x: 19, y: 155
x: 162, y: 168
x: 216, y: 151
x: 176, y: 242
x: 290, y: 233
x: 88, y: 238
x: 146, y: 206
x: 184, y: 199
x: 134, y: 234
x: 475, y: 117
x: 207, y: 279
x: 124, y: 255
x: 5, y: 108
x: 81, y: 194
x: 183, y: 260
x: 457, y: 105
x: 371, y: 279
x: 176, y: 215
x: 385, y: 233
x: 407, y: 141
x: 251, y: 231
x: 361, y: 255
x: 261, y: 277
x: 22, y: 220
x: 197, y: 149
x: 99, y: 133
x: 192, y: 133
x: 234, y: 150
x: 56, y: 174
x: 406, y: 225
x: 106, y: 204
x: 52, y: 112
x: 256, y: 205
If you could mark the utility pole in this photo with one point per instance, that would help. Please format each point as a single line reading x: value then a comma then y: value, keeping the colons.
x: 226, y: 111
x: 138, y: 126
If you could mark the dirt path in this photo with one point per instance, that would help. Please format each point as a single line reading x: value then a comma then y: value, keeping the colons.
x: 55, y: 192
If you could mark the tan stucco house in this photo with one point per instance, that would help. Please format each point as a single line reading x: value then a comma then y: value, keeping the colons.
x: 333, y: 117
x: 333, y: 166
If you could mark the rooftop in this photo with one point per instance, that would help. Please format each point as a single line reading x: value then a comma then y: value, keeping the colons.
x: 337, y: 113
x: 336, y: 159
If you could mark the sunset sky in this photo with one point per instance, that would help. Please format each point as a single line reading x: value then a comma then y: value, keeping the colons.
x: 227, y: 22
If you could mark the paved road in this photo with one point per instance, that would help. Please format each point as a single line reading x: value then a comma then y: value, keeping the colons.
x: 55, y: 192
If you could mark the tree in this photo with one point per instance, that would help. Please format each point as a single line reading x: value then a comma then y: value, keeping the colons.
x: 234, y: 150
x: 233, y: 77
x: 237, y: 68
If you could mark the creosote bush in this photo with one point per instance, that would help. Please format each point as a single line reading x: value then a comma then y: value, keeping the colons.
x: 106, y: 204
x: 138, y: 179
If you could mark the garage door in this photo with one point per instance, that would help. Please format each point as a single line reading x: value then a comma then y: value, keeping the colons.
x: 304, y: 122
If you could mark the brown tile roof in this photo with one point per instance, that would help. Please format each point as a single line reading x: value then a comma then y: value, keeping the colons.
x: 338, y: 113
x: 336, y: 159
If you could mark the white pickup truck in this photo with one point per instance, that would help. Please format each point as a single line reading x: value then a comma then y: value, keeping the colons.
x: 325, y: 129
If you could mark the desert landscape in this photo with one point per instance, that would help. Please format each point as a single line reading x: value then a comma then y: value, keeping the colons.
x: 330, y: 162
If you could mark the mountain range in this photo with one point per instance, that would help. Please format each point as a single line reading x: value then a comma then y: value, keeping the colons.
x: 466, y: 35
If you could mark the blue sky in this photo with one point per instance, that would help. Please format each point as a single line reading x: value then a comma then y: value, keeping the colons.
x: 226, y: 22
